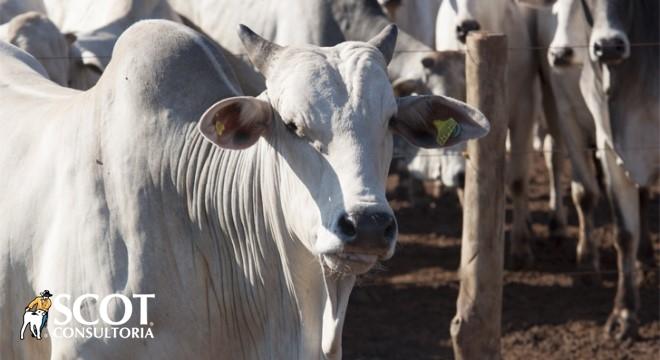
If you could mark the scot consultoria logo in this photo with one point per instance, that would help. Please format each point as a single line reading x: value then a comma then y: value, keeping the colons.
x: 71, y: 321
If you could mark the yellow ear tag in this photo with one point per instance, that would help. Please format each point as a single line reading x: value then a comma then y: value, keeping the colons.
x: 446, y: 129
x: 219, y: 127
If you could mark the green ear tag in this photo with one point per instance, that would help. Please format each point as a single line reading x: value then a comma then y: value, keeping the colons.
x: 219, y: 128
x: 446, y: 129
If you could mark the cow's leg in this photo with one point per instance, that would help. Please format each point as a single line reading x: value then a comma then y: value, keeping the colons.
x: 554, y: 160
x: 646, y: 252
x: 25, y: 325
x: 624, y: 198
x: 554, y: 154
x: 521, y: 146
x: 585, y: 198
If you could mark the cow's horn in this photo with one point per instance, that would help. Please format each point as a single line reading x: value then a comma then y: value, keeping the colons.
x: 260, y: 51
x: 385, y: 41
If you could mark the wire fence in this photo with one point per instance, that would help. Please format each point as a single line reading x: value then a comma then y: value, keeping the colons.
x: 427, y: 51
x: 464, y: 154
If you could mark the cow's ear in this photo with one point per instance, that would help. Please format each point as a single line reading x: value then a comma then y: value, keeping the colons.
x: 236, y: 123
x: 537, y: 3
x: 433, y: 121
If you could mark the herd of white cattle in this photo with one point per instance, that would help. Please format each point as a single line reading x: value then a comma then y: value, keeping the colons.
x: 231, y: 156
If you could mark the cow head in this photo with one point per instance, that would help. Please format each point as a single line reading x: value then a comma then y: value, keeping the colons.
x: 601, y: 24
x: 467, y: 11
x: 568, y: 45
x: 330, y: 114
x: 608, y: 42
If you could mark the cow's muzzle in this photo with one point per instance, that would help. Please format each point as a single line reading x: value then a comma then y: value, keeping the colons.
x: 366, y: 236
x: 464, y: 28
x: 365, y: 232
x: 611, y: 49
x: 561, y: 56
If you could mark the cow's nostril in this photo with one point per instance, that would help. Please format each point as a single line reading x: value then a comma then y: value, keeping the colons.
x: 347, y: 226
x: 390, y: 230
x: 464, y: 28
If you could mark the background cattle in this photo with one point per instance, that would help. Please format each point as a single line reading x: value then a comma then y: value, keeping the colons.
x: 455, y: 20
x: 263, y: 195
x: 100, y: 157
x: 625, y: 110
x: 36, y: 34
x: 573, y: 131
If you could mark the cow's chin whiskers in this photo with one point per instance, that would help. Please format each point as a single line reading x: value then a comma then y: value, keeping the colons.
x: 349, y: 263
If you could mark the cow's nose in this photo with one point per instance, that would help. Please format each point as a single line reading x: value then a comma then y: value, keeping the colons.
x: 367, y: 232
x: 464, y: 27
x: 610, y: 49
x: 562, y: 56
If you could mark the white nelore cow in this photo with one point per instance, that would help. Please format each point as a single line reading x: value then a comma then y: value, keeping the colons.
x: 64, y: 55
x: 575, y: 131
x: 415, y: 67
x: 619, y: 84
x: 455, y: 20
x: 416, y: 17
x: 32, y: 321
x: 247, y: 217
x: 36, y: 34
x: 97, y: 26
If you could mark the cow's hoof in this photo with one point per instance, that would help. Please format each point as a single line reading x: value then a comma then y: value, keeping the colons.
x: 622, y: 325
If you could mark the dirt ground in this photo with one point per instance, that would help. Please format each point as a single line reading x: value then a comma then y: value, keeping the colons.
x: 403, y: 309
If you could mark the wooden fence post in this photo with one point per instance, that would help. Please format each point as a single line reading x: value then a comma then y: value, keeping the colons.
x: 476, y: 328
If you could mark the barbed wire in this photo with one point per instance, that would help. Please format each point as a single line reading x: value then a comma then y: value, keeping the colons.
x: 464, y: 154
x: 427, y: 51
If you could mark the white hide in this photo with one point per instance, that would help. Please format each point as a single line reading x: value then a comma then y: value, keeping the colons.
x: 115, y: 190
x: 36, y: 34
x: 417, y: 18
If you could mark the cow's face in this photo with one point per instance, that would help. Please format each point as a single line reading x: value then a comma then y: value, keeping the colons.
x: 330, y: 114
x: 568, y: 45
x: 608, y: 42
